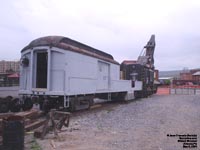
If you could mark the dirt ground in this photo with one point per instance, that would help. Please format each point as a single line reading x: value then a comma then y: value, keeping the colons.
x: 138, y: 125
x: 163, y: 91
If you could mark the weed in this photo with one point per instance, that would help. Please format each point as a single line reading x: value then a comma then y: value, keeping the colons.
x: 35, y: 145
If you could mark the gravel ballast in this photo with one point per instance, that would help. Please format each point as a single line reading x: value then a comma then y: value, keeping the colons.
x: 138, y: 125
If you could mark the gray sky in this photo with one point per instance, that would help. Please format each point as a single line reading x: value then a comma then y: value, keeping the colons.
x: 118, y: 27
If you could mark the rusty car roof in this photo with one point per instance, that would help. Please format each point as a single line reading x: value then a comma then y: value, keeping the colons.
x: 69, y: 44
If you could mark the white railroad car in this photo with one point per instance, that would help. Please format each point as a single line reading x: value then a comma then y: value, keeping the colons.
x: 59, y: 72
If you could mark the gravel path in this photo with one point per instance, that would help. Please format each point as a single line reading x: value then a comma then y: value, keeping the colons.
x: 137, y: 125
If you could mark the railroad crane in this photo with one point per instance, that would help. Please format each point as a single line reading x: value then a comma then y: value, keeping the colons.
x: 146, y: 57
x: 142, y: 70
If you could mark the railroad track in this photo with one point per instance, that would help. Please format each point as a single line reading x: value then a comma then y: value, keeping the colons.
x: 12, y: 104
x: 99, y: 106
x: 36, y: 120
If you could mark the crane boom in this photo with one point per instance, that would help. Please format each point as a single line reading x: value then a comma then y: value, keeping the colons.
x: 147, y: 58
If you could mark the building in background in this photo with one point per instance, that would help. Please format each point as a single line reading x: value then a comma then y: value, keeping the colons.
x: 9, y: 73
x: 196, y: 76
x: 192, y: 74
x: 9, y: 66
x: 188, y: 77
x: 185, y: 76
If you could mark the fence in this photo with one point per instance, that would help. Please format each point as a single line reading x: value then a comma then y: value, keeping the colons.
x: 185, y: 90
x: 9, y: 83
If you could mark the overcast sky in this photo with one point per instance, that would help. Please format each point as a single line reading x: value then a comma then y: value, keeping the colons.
x: 119, y: 27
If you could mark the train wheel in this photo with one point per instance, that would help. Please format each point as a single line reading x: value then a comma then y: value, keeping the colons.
x: 4, y: 108
x: 137, y: 94
x: 72, y: 105
x: 28, y: 104
x: 15, y: 105
x: 46, y: 106
x: 91, y: 102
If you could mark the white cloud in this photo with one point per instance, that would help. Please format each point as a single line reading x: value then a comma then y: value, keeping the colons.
x: 119, y: 27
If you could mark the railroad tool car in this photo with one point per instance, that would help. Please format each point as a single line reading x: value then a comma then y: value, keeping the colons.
x: 58, y: 72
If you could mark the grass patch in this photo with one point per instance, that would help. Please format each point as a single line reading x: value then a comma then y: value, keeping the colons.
x: 35, y: 145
